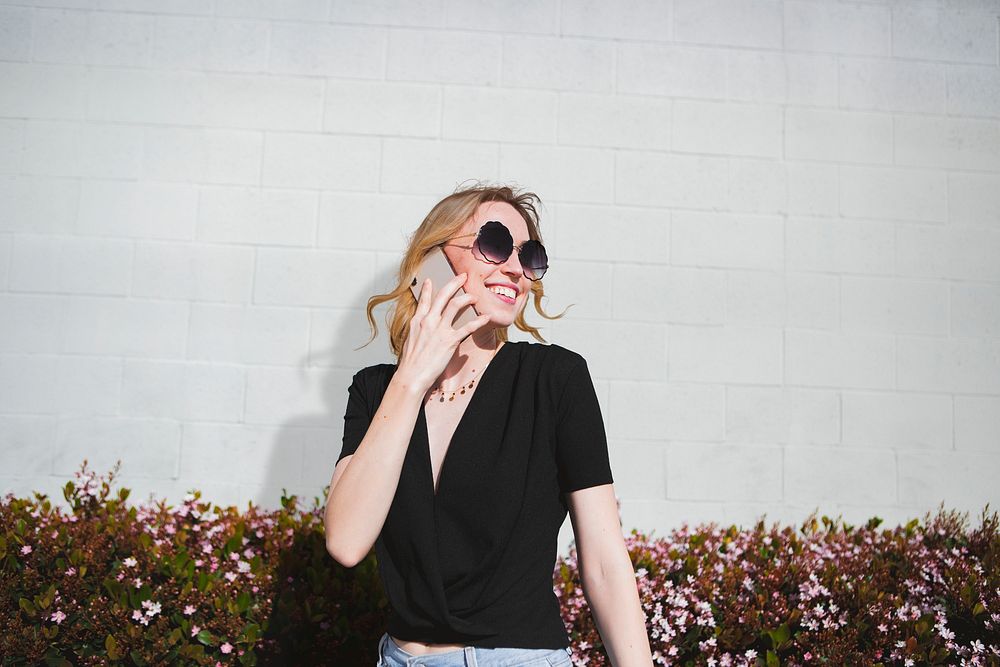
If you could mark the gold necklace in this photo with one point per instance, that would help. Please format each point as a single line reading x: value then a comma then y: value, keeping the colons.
x: 462, y: 388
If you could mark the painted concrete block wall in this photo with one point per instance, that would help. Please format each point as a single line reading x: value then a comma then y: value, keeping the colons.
x: 779, y: 223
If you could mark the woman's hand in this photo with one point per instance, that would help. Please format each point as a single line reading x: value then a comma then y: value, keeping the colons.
x: 432, y: 341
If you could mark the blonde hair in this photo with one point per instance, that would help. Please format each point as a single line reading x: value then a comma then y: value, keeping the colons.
x: 446, y: 219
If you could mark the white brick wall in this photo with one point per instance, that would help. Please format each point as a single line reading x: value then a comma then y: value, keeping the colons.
x: 779, y: 220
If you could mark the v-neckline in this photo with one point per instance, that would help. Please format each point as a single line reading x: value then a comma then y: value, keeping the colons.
x: 461, y: 420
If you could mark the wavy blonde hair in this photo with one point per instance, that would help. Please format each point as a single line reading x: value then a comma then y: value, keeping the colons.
x: 446, y: 219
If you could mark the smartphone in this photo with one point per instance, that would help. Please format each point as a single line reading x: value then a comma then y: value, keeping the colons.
x: 437, y: 267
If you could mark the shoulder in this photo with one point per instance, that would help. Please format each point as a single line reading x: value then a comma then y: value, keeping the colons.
x: 558, y: 356
x: 555, y: 362
x: 374, y: 376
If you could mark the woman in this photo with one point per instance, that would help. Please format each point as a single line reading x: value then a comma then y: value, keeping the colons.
x: 461, y: 461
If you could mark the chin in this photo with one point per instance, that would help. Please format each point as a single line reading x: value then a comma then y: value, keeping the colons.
x: 498, y: 320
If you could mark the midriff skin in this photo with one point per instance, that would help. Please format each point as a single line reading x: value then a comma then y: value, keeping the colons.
x: 420, y: 648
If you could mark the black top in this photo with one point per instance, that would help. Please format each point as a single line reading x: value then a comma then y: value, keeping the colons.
x: 474, y: 564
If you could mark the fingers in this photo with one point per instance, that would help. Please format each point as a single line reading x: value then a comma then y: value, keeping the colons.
x: 472, y: 326
x: 447, y: 291
x: 436, y: 309
x: 424, y: 297
x: 456, y: 304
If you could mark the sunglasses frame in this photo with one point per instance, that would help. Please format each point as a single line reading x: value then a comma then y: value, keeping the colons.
x: 516, y: 248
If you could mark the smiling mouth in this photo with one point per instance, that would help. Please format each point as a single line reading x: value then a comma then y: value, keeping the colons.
x: 504, y: 298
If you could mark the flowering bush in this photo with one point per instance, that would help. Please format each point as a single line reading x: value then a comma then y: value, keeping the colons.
x: 921, y: 594
x: 196, y: 584
x: 203, y: 585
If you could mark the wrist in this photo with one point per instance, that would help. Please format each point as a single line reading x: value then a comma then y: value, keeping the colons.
x: 407, y: 385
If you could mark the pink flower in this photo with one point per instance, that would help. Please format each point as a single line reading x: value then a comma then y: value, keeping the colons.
x: 26, y: 549
x: 58, y: 617
x: 188, y: 610
x: 71, y: 571
x: 226, y: 648
x: 195, y: 630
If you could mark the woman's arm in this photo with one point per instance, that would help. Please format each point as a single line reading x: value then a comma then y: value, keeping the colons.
x: 365, y: 482
x: 360, y: 497
x: 608, y: 576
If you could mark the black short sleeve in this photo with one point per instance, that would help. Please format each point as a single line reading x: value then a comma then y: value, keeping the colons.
x: 581, y: 442
x: 357, y: 416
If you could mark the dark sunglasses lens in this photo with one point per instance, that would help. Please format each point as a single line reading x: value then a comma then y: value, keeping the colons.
x: 495, y: 242
x: 534, y: 261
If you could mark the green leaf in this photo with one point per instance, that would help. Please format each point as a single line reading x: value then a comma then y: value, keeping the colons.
x: 111, y: 646
x: 251, y: 633
x: 772, y: 659
x: 113, y: 587
x: 45, y: 599
x: 27, y: 606
x: 780, y: 635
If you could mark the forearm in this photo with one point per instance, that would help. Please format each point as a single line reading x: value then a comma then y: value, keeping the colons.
x: 613, y: 597
x: 358, y: 504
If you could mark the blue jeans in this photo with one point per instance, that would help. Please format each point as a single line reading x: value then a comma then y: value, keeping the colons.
x: 390, y: 655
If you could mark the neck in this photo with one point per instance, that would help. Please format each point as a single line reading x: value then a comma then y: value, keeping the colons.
x: 473, y: 352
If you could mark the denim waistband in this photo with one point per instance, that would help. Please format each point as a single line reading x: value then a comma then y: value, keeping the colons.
x: 391, y: 655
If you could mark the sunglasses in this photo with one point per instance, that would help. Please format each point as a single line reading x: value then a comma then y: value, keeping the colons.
x: 495, y: 244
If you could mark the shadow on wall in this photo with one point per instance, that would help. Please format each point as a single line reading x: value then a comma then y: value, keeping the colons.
x: 304, y: 452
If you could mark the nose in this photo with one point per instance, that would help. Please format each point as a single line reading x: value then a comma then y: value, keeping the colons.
x: 512, y: 267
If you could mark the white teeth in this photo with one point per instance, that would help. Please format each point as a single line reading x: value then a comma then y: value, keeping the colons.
x: 506, y: 291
